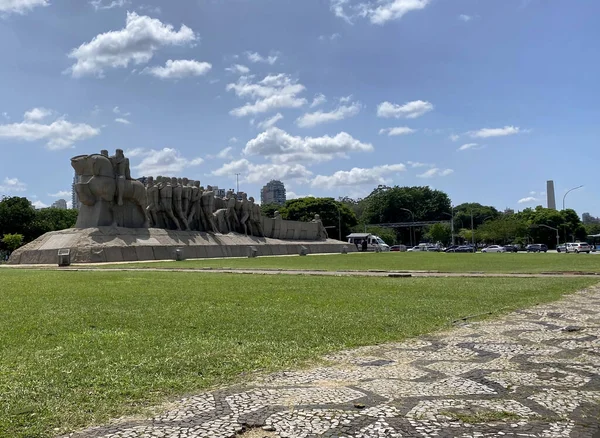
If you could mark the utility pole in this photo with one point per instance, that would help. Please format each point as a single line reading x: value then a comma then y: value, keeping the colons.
x: 473, y: 233
x: 237, y: 183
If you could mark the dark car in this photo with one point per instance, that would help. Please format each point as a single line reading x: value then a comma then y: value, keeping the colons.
x: 537, y: 247
x: 462, y: 248
x: 511, y: 248
x: 398, y: 248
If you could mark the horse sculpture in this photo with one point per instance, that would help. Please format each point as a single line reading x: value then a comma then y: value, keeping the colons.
x: 96, y: 187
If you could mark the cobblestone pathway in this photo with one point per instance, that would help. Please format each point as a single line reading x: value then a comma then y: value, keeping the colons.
x: 533, y: 373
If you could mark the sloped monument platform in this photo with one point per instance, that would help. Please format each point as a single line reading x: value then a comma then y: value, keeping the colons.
x: 114, y: 244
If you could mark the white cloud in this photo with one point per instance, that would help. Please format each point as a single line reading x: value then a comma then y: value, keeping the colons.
x: 435, y: 172
x: 378, y: 12
x: 400, y: 130
x: 342, y: 112
x: 122, y: 121
x: 59, y: 134
x: 358, y: 176
x: 256, y: 57
x: 495, y: 132
x: 225, y: 154
x: 454, y: 137
x: 60, y: 194
x: 233, y: 140
x: 39, y: 205
x: 346, y: 99
x: 283, y: 147
x: 332, y: 37
x: 166, y: 161
x: 99, y: 4
x: 5, y: 115
x: 69, y: 204
x: 273, y: 92
x: 527, y: 200
x: 465, y: 18
x: 36, y: 114
x: 10, y: 185
x: 410, y: 110
x: 258, y: 173
x: 20, y: 6
x: 117, y: 110
x: 179, y: 69
x: 415, y: 164
x: 151, y: 9
x: 467, y: 146
x: 136, y: 44
x: 319, y: 99
x: 270, y: 122
x: 238, y: 69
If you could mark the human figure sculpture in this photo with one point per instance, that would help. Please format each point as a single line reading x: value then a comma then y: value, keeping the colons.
x: 276, y: 215
x: 122, y: 173
x: 321, y: 231
x: 153, y: 203
x: 194, y: 202
x: 166, y: 202
x: 208, y: 208
x: 178, y: 203
x: 255, y: 218
x: 186, y: 193
x: 233, y: 222
x: 246, y: 211
x: 99, y: 180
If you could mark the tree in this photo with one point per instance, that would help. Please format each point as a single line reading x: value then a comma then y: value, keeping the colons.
x: 16, y: 215
x: 12, y: 241
x: 505, y: 229
x: 331, y: 212
x: 440, y: 232
x: 389, y: 205
x: 52, y: 219
x: 268, y: 210
x: 481, y: 213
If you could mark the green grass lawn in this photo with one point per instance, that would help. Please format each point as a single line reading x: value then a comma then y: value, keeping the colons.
x: 77, y: 348
x: 502, y: 263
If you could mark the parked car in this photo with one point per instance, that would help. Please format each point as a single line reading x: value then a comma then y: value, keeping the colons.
x: 494, y: 248
x: 578, y: 247
x: 511, y: 248
x: 537, y: 247
x: 398, y: 248
x: 561, y: 248
x: 462, y: 248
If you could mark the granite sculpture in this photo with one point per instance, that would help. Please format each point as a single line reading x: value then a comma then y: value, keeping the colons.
x: 123, y: 219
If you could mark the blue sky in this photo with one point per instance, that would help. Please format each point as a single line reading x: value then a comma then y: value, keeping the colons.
x: 485, y: 100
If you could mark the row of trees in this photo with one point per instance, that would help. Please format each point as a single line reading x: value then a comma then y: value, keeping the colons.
x: 21, y: 223
x: 386, y: 207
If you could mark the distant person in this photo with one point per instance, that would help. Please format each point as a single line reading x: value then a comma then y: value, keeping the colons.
x: 364, y: 245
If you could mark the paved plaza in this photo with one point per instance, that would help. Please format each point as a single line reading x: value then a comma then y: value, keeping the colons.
x: 532, y: 373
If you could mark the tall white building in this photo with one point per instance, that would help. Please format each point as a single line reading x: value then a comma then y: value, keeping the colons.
x: 60, y: 203
x: 74, y: 196
x: 273, y: 193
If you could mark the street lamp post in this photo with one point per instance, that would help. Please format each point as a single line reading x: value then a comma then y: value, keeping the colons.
x: 563, y: 207
x: 451, y: 223
x: 569, y: 191
x: 473, y: 233
x: 413, y: 226
x: 340, y: 222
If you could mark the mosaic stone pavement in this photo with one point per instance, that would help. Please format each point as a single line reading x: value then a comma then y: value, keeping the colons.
x: 532, y: 373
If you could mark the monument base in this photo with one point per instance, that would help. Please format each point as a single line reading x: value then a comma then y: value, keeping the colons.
x: 114, y: 244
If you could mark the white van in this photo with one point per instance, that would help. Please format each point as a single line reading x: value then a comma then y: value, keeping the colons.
x: 374, y: 243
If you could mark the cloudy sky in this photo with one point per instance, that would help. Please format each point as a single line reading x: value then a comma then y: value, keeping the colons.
x: 485, y: 100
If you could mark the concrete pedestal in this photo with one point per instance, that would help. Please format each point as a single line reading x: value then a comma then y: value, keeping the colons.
x: 113, y: 244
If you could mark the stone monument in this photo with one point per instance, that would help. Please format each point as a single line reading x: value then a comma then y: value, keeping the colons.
x: 122, y: 219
